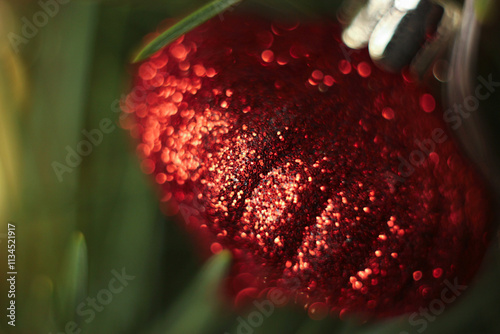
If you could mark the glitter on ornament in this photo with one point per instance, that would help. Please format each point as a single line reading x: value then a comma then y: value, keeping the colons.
x: 282, y: 148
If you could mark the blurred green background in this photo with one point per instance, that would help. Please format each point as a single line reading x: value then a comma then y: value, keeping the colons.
x: 74, y: 236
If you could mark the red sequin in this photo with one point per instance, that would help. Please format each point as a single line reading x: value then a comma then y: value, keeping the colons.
x: 317, y: 177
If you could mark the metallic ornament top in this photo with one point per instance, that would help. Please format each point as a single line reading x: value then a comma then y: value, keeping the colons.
x: 402, y: 32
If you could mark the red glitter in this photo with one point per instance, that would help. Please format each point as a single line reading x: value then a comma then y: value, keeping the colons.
x: 364, y: 69
x: 328, y: 80
x: 284, y: 157
x: 427, y: 102
x: 344, y: 66
x: 267, y: 56
x: 388, y: 113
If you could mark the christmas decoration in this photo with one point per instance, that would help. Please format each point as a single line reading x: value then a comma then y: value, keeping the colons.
x: 328, y: 179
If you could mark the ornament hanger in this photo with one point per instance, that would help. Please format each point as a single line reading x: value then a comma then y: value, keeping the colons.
x: 402, y: 33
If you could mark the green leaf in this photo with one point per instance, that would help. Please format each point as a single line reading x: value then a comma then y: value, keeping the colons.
x: 190, y: 22
x: 72, y: 285
x: 198, y: 306
x: 485, y: 10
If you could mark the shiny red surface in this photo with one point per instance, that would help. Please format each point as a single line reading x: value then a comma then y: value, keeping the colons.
x: 278, y: 143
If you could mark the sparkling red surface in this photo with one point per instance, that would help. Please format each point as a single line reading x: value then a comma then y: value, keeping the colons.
x: 277, y: 143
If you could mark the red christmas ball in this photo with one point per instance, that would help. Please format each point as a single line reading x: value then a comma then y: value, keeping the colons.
x: 326, y: 178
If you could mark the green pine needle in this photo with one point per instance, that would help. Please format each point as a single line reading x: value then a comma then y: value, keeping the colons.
x: 190, y: 22
x: 198, y: 305
x: 73, y: 281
